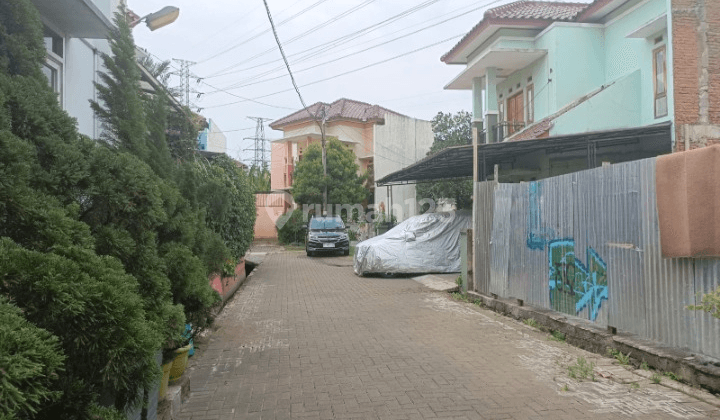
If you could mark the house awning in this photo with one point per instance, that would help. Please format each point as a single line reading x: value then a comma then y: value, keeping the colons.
x: 518, y: 157
x: 76, y: 18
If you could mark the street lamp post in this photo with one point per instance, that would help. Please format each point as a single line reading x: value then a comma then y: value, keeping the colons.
x: 162, y: 17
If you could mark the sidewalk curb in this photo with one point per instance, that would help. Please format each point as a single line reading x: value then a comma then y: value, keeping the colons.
x: 691, y: 368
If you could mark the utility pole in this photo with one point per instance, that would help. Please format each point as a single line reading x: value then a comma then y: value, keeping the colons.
x: 321, y: 123
x: 185, y: 78
x: 260, y: 158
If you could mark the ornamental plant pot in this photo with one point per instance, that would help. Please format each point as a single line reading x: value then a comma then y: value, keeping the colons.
x: 165, y: 378
x: 180, y: 362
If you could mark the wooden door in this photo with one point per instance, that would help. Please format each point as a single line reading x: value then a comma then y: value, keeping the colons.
x: 515, y: 113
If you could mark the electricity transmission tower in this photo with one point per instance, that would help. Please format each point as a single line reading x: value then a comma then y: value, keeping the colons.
x: 261, y: 155
x: 185, y: 78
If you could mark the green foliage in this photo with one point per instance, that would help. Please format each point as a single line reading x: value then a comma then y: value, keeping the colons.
x: 293, y: 230
x: 656, y: 378
x: 230, y: 204
x: 190, y: 287
x: 582, y: 369
x: 30, y: 360
x: 644, y: 365
x: 622, y: 359
x: 259, y: 179
x: 120, y: 107
x: 344, y: 185
x: 92, y: 305
x: 672, y: 376
x: 710, y: 303
x: 450, y: 130
x: 557, y: 336
x: 530, y: 322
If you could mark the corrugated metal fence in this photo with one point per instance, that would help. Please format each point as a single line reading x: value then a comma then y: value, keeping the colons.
x: 588, y: 244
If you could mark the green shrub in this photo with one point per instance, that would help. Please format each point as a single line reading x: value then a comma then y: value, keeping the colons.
x: 93, y: 307
x: 293, y: 231
x: 190, y: 286
x: 30, y: 359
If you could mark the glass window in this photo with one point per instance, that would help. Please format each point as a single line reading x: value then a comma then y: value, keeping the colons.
x: 660, y: 82
x: 333, y: 223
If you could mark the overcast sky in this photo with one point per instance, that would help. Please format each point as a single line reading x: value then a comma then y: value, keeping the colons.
x: 235, y: 51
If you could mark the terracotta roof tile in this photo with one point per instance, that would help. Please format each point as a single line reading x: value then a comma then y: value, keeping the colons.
x: 543, y: 10
x: 523, y: 10
x: 340, y: 109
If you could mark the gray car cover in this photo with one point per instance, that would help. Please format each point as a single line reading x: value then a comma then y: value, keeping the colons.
x: 428, y: 243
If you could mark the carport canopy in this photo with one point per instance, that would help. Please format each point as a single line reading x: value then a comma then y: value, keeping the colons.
x: 526, y: 156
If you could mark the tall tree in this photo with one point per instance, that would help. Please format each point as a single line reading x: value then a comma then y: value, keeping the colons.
x: 120, y: 107
x: 344, y: 185
x: 450, y: 130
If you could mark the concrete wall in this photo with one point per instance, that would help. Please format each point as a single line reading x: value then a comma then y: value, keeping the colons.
x: 400, y: 142
x: 216, y: 140
x: 616, y: 106
x: 269, y: 207
x: 696, y: 66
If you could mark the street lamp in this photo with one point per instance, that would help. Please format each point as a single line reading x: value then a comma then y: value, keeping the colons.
x: 162, y: 17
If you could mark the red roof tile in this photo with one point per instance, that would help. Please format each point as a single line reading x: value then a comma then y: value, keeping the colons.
x: 342, y: 109
x: 520, y: 12
x: 543, y: 10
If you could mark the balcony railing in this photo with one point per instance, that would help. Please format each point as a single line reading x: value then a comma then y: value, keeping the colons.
x: 507, y: 128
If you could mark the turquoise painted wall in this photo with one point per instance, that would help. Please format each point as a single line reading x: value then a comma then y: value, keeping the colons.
x: 624, y: 55
x: 616, y: 106
x: 583, y: 58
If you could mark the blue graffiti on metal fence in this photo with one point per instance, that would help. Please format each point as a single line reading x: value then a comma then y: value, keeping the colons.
x: 537, y: 236
x: 573, y: 285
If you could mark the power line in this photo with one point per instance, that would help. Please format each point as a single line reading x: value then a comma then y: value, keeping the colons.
x: 232, y: 87
x: 300, y: 13
x: 312, y: 30
x: 348, y: 72
x: 348, y: 37
x: 282, y: 52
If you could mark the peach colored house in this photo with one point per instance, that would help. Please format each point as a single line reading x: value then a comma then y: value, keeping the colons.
x: 382, y: 140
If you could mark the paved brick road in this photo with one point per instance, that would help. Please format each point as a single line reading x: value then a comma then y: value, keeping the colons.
x: 306, y: 338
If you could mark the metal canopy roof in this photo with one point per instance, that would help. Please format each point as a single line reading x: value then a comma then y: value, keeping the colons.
x: 457, y: 162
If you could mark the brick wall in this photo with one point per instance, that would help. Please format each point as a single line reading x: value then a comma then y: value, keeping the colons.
x: 696, y: 69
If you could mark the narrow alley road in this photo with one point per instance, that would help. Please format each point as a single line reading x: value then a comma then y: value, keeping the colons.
x: 306, y: 338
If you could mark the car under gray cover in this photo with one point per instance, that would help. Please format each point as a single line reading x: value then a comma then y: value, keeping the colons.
x: 428, y: 243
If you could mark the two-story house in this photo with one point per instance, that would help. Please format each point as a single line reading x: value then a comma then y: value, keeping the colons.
x: 383, y: 141
x: 545, y: 69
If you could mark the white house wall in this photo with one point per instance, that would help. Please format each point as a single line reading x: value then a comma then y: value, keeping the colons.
x: 217, y: 142
x: 400, y: 142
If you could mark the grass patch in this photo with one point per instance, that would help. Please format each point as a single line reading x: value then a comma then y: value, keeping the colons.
x: 623, y: 359
x: 479, y: 303
x: 459, y: 296
x: 530, y: 322
x: 656, y: 378
x: 557, y: 336
x: 634, y: 385
x: 644, y: 365
x: 582, y: 369
x: 565, y: 388
x: 672, y: 376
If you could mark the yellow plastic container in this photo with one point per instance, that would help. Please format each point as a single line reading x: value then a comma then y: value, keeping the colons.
x: 166, y: 378
x: 180, y: 362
